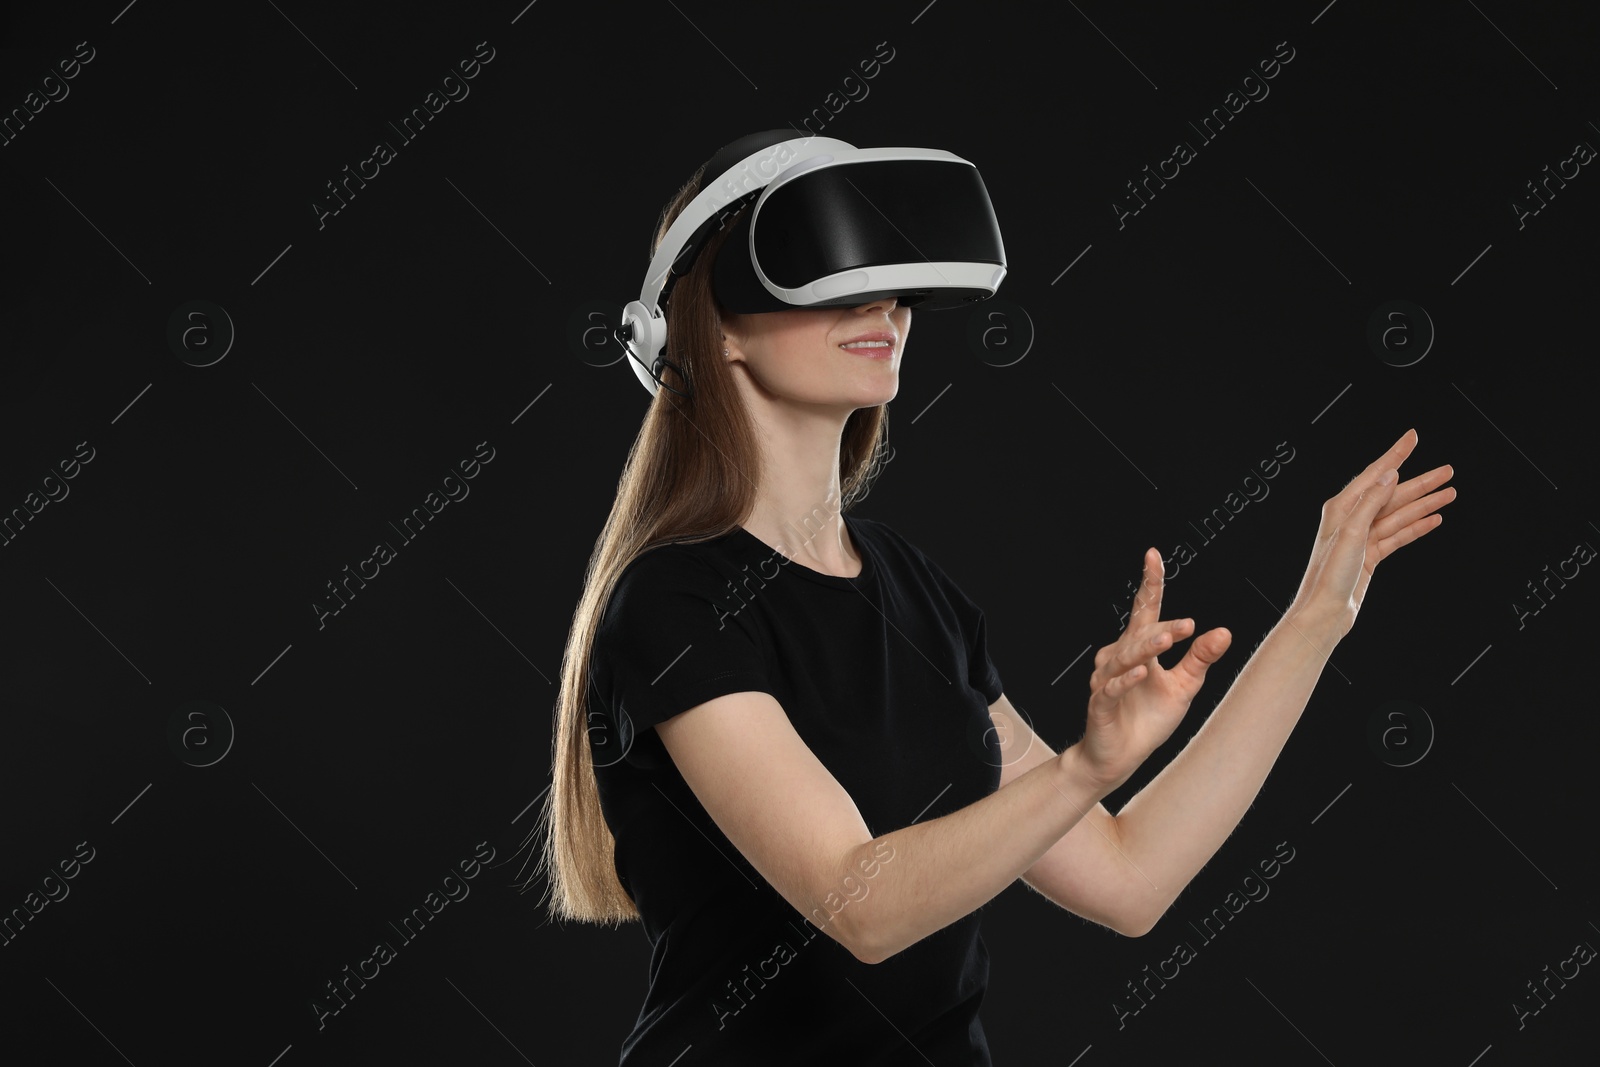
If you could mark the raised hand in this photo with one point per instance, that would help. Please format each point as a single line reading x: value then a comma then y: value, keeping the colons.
x: 1363, y: 524
x: 1134, y: 702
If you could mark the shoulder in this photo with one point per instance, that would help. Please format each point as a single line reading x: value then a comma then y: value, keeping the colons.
x: 884, y: 537
x: 889, y: 540
x: 670, y: 565
x: 652, y: 562
x: 665, y: 577
x: 918, y: 565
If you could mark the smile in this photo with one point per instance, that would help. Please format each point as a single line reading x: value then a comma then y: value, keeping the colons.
x: 870, y: 349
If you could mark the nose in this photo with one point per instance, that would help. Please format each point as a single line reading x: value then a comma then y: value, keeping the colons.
x: 887, y: 303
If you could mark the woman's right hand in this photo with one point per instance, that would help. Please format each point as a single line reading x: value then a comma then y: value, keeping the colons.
x: 1134, y: 702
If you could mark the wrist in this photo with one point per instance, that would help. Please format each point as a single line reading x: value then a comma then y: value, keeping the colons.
x: 1077, y: 779
x: 1322, y: 625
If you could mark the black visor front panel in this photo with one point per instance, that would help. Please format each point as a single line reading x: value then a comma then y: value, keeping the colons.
x: 872, y: 213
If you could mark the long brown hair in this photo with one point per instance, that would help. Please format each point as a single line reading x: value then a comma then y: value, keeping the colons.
x: 691, y: 475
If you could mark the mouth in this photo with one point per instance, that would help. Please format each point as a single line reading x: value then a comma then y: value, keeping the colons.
x: 873, y: 348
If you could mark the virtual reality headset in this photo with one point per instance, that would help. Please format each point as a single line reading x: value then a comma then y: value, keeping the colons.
x: 823, y: 224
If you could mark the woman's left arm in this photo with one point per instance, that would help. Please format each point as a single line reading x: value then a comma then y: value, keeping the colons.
x: 1145, y: 855
x: 1176, y: 823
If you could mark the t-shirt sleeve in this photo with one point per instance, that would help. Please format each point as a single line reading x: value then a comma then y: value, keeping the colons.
x: 981, y: 672
x: 672, y: 637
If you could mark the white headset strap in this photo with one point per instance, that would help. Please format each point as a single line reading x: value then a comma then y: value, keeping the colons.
x: 749, y: 175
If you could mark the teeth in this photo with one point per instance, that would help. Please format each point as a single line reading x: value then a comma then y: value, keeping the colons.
x: 866, y: 344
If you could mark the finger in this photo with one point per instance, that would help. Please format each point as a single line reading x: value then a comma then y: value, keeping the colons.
x: 1154, y: 640
x: 1133, y: 650
x: 1359, y: 522
x: 1125, y: 681
x: 1130, y: 632
x: 1365, y: 492
x: 1106, y: 673
x: 1395, y: 456
x: 1104, y: 699
x: 1147, y: 601
x: 1412, y: 488
x: 1387, y: 545
x: 1141, y: 647
x: 1203, y: 652
x: 1391, y: 520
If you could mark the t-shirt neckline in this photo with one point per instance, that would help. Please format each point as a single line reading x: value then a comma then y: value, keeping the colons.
x: 796, y: 567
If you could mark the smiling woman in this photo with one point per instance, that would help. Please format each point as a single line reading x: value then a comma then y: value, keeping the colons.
x: 766, y: 756
x: 855, y: 645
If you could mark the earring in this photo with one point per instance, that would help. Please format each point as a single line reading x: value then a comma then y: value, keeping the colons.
x: 724, y: 350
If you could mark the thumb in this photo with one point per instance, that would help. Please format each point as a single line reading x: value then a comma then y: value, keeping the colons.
x: 1375, y: 496
x: 1203, y: 652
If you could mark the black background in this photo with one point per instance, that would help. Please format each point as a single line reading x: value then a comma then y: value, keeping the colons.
x: 434, y: 312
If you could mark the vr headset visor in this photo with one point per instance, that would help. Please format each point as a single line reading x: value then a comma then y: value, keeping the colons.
x: 825, y: 224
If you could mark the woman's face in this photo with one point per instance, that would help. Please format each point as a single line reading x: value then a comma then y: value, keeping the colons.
x: 799, y: 354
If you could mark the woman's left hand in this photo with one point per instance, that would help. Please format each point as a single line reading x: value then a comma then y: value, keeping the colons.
x: 1362, y: 525
x: 1134, y: 702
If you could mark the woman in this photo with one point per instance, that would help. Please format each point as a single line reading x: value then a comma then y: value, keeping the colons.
x: 781, y: 742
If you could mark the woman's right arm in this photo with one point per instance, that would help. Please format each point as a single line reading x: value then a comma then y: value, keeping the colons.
x: 799, y: 828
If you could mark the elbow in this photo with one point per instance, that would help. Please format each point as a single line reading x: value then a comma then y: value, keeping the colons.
x: 1134, y: 929
x: 851, y: 922
x: 855, y: 929
x: 1138, y: 923
x: 863, y: 946
x: 843, y: 925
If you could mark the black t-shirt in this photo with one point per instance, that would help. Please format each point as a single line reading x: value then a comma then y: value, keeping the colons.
x: 887, y: 678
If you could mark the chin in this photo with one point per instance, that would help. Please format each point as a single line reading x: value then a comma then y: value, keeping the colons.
x: 886, y: 395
